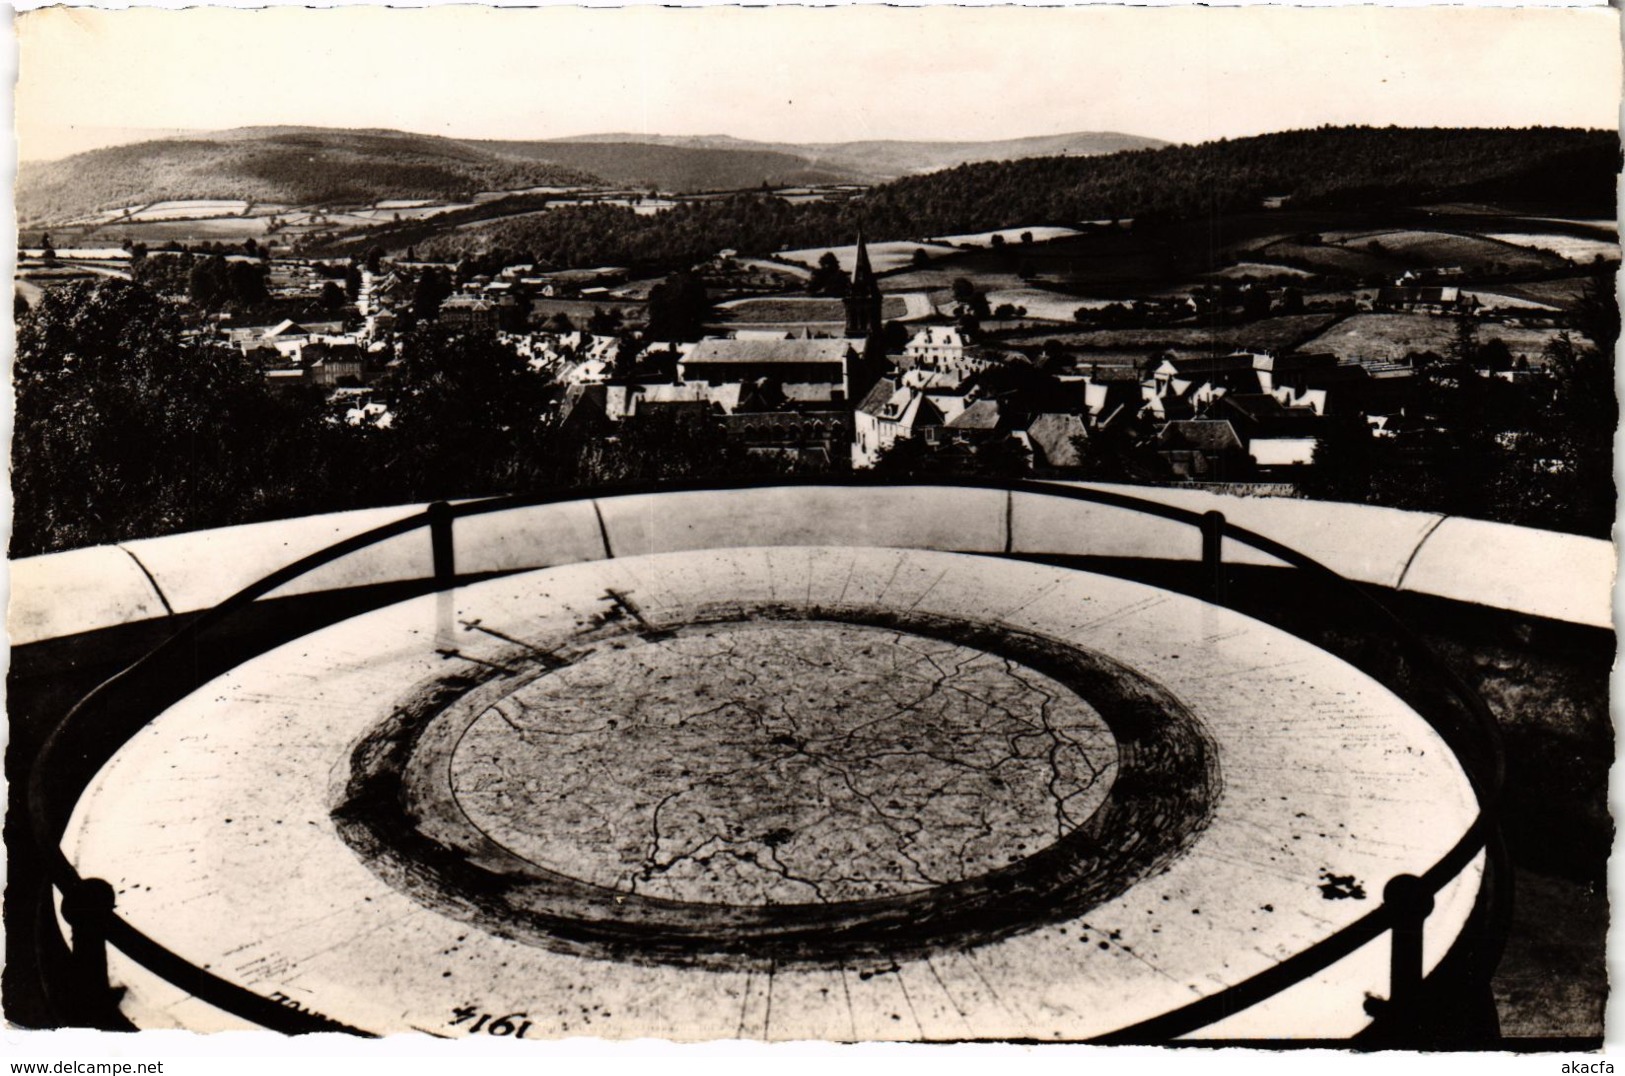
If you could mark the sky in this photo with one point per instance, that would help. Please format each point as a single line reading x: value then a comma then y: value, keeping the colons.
x: 94, y: 77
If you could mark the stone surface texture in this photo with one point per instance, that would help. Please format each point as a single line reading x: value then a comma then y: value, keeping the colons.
x: 731, y: 739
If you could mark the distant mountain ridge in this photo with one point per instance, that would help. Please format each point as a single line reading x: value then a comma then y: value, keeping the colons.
x: 680, y: 168
x: 295, y: 166
x: 309, y: 166
x: 883, y: 159
x: 1355, y: 168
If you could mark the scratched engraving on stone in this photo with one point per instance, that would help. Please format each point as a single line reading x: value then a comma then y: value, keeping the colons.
x: 783, y: 763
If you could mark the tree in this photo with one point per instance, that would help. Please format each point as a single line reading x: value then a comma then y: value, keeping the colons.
x: 1255, y: 302
x: 469, y: 417
x: 1559, y: 473
x: 433, y: 288
x: 828, y: 278
x: 245, y: 284
x: 660, y: 446
x: 1495, y: 355
x: 332, y: 297
x: 1463, y: 349
x: 604, y: 322
x: 127, y: 427
x: 914, y: 457
x: 1109, y: 454
x: 627, y: 350
x: 1345, y: 463
x: 206, y: 283
x: 678, y: 308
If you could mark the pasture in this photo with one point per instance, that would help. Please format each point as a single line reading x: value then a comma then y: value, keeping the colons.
x: 578, y: 310
x: 1502, y: 300
x: 1418, y: 249
x: 1044, y: 305
x: 1265, y: 272
x: 1103, y: 265
x: 1562, y: 293
x: 884, y: 257
x: 213, y: 229
x: 795, y: 310
x: 1371, y: 338
x: 1269, y: 334
x: 384, y: 212
x: 1570, y: 247
x: 1012, y: 236
x: 201, y: 209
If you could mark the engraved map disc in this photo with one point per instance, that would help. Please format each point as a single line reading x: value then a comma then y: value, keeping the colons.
x: 798, y: 792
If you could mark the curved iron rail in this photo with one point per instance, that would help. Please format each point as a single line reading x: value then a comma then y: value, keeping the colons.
x: 1407, y: 900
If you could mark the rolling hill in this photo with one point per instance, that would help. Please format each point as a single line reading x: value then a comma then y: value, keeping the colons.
x: 830, y: 162
x: 681, y: 168
x: 281, y: 165
x: 314, y: 166
x: 1356, y: 169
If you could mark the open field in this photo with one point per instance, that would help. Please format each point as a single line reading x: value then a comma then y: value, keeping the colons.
x: 795, y: 310
x: 384, y: 212
x: 94, y: 254
x: 1390, y: 337
x: 1529, y: 342
x: 1113, y: 262
x: 1330, y: 259
x: 1269, y: 334
x: 1562, y: 293
x: 162, y: 231
x: 1472, y: 253
x: 1268, y: 272
x: 1572, y: 247
x: 191, y: 210
x: 1104, y: 265
x: 1501, y: 300
x: 492, y: 196
x: 939, y: 282
x: 1039, y: 303
x: 579, y: 310
x: 1012, y: 236
x: 883, y: 256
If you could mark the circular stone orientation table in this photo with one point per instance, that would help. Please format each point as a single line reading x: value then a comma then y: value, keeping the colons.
x: 837, y: 793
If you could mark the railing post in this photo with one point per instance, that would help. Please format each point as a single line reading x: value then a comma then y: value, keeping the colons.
x: 1411, y: 903
x: 87, y: 907
x: 445, y: 560
x: 1213, y: 555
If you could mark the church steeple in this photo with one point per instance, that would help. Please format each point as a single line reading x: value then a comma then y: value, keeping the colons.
x: 863, y: 301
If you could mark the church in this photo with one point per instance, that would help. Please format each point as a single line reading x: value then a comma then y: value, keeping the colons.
x: 864, y: 321
x: 863, y: 299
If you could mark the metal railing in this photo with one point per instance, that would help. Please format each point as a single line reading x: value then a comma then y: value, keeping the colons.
x: 96, y: 726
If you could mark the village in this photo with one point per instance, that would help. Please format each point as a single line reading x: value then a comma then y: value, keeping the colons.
x: 804, y: 359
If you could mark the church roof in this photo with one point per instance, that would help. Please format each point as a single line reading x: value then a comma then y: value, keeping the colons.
x: 981, y: 415
x: 862, y: 272
x: 1052, y: 434
x: 875, y: 401
x: 767, y: 351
